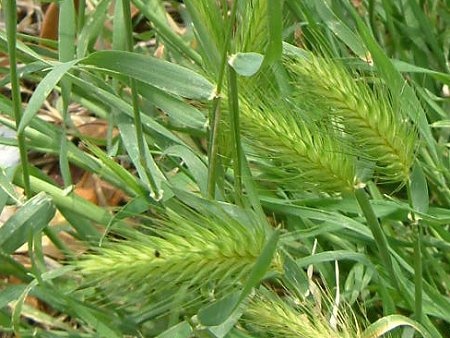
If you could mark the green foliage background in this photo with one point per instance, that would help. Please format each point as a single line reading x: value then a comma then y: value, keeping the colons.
x: 289, y: 170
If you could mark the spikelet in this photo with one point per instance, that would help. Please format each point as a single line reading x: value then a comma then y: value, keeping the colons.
x: 189, y: 250
x: 290, y: 317
x: 379, y: 132
x: 299, y: 155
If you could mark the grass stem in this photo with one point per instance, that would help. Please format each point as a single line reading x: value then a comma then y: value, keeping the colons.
x: 11, y: 29
x: 418, y: 268
x: 233, y: 103
x: 377, y: 231
x: 418, y: 275
x: 215, y: 110
x: 169, y: 35
x: 135, y: 102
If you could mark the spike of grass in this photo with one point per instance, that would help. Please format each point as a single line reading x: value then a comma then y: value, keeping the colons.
x: 190, y: 250
x: 305, y: 155
x: 368, y: 115
x: 269, y: 313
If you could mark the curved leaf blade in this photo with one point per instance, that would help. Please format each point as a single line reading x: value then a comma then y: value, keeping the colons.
x: 32, y: 217
x: 42, y: 91
x: 164, y: 75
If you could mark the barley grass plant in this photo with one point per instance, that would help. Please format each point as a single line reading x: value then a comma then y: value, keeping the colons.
x: 250, y: 147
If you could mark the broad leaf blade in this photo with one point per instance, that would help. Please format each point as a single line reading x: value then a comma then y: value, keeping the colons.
x: 246, y: 64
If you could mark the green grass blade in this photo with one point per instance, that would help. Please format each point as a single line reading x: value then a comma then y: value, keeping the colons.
x: 388, y: 323
x: 32, y: 217
x: 197, y: 167
x: 11, y: 31
x: 125, y: 176
x: 91, y: 30
x: 148, y: 171
x: 218, y: 312
x: 167, y: 76
x: 167, y: 33
x: 66, y: 51
x: 181, y: 114
x: 66, y: 31
x: 275, y: 23
x: 41, y: 92
x: 233, y: 106
x: 111, y: 100
x: 341, y: 29
x: 262, y: 264
x: 207, y: 39
x: 428, y: 35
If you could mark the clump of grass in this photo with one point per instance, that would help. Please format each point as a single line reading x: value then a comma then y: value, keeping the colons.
x: 273, y: 316
x: 379, y: 130
x: 302, y: 154
x: 184, y: 250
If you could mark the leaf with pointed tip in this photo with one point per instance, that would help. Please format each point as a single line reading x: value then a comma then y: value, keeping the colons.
x: 41, y: 92
x: 164, y: 75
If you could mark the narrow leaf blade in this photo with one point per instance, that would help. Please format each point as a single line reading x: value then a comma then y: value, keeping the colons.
x: 164, y: 75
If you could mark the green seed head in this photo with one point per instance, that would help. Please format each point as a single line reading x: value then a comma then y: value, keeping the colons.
x: 379, y: 132
x: 296, y: 153
x: 183, y: 251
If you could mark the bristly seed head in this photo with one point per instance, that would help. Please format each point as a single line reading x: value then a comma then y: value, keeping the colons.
x: 366, y: 112
x: 184, y: 250
x: 297, y: 154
